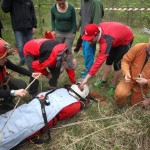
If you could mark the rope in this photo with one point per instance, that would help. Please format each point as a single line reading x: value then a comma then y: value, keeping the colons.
x: 118, y: 124
x: 17, y: 105
x: 141, y: 87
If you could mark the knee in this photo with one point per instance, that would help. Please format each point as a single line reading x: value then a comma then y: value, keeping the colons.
x: 120, y: 93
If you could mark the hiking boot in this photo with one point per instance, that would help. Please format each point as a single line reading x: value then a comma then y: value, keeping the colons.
x: 100, y: 83
x: 111, y: 90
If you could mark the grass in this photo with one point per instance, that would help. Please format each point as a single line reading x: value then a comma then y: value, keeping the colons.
x: 101, y: 126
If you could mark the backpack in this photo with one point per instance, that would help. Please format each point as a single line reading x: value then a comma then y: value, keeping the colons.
x: 49, y: 35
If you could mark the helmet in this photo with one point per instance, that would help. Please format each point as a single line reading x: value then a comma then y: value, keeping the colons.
x: 3, y: 50
x: 75, y: 89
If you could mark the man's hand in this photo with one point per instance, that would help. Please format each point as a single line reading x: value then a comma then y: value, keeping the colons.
x: 20, y: 92
x: 54, y: 34
x: 145, y: 102
x: 33, y: 30
x: 84, y: 81
x: 127, y: 77
x: 36, y: 75
x: 49, y: 76
x: 141, y: 81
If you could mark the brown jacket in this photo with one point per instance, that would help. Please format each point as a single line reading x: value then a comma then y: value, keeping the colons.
x: 133, y: 62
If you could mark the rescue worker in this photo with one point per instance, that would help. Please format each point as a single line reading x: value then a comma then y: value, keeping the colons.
x: 135, y: 67
x: 9, y: 85
x: 114, y: 39
x: 46, y: 56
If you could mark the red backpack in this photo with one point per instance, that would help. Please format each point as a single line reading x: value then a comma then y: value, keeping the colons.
x: 49, y: 35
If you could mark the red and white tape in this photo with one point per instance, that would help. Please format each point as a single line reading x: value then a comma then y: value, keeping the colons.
x: 128, y: 9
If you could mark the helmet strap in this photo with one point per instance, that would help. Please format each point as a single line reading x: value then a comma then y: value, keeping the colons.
x: 80, y: 97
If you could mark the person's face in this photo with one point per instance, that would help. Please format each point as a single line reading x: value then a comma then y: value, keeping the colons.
x: 94, y: 40
x: 2, y: 61
x: 61, y: 3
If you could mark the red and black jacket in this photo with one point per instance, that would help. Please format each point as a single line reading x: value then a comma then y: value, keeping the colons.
x: 47, y: 53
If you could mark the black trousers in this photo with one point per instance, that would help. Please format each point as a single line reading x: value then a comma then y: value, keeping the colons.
x: 12, y: 84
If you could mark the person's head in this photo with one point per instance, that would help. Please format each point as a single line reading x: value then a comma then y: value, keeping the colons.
x: 61, y: 3
x: 91, y: 33
x: 69, y: 61
x: 76, y: 92
x: 3, y: 52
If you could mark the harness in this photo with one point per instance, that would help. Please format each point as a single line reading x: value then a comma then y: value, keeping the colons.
x: 44, y: 102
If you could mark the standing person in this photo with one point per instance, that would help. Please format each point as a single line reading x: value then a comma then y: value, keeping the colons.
x: 9, y: 85
x: 63, y: 22
x: 1, y: 27
x: 91, y: 12
x: 24, y: 22
x: 135, y: 67
x: 115, y: 40
x: 45, y: 56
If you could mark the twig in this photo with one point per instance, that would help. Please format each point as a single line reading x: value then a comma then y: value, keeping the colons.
x: 89, y: 135
x: 76, y: 123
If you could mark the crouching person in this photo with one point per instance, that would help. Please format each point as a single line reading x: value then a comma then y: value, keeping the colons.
x: 27, y: 120
x: 9, y: 85
x: 45, y: 56
x: 135, y: 67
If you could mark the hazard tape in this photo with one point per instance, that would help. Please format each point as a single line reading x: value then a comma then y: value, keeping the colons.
x: 128, y: 9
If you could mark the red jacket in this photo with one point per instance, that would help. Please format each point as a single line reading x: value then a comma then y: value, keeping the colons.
x: 114, y: 34
x: 48, y: 53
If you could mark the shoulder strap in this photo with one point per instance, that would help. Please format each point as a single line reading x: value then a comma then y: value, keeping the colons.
x: 145, y: 61
x: 43, y: 102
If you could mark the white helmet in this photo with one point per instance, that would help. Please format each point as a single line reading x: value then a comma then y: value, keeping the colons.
x: 76, y: 92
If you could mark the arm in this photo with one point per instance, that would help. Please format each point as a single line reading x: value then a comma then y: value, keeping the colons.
x: 97, y: 12
x: 127, y: 60
x: 4, y: 93
x: 52, y: 18
x: 18, y: 69
x: 6, y: 6
x: 74, y: 24
x: 7, y: 93
x: 95, y: 67
x: 34, y: 20
x: 104, y: 50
